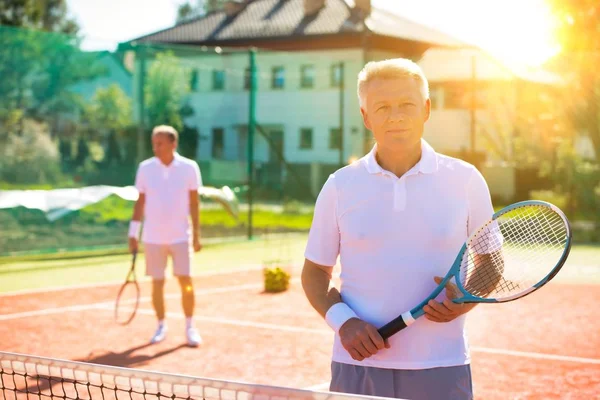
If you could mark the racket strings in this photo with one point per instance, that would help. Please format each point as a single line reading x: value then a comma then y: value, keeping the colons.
x: 511, y: 254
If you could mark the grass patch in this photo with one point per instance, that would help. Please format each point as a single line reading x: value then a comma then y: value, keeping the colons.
x: 103, y: 227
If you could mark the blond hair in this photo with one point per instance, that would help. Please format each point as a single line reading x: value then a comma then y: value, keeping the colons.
x: 166, y: 130
x: 390, y: 69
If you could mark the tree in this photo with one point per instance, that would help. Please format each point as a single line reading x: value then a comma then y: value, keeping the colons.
x: 166, y: 86
x: 578, y: 32
x: 187, y: 10
x: 37, y: 69
x: 47, y: 15
x: 107, y: 118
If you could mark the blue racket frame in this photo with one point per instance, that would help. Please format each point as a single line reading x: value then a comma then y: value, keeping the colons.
x: 409, y: 317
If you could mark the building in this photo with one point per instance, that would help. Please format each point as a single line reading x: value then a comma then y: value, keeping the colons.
x: 309, y: 55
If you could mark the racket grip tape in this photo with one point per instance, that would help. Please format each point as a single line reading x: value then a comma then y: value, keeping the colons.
x: 396, y: 325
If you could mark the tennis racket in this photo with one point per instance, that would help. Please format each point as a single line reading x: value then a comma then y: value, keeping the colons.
x: 520, y: 249
x: 128, y: 298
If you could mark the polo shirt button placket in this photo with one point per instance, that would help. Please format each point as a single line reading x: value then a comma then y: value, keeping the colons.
x: 400, y: 194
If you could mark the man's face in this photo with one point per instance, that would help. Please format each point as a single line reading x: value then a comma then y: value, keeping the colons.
x: 162, y: 146
x: 395, y: 112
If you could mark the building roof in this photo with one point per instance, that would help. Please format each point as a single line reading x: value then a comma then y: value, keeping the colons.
x: 265, y: 19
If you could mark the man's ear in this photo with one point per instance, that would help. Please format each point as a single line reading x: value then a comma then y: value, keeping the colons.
x: 427, y: 109
x: 365, y: 118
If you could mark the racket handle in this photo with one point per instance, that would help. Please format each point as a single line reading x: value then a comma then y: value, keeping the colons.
x: 395, y: 325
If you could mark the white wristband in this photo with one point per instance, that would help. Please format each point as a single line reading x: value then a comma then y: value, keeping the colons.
x: 134, y: 229
x: 338, y: 314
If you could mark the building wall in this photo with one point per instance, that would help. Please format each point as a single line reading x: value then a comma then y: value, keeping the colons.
x: 291, y: 108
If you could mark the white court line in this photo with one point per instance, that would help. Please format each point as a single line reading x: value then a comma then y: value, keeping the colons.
x: 212, y: 272
x: 285, y: 328
x: 236, y: 322
x: 109, y: 306
x: 540, y: 356
x: 319, y: 387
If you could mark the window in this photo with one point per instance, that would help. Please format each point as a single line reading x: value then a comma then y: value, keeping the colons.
x: 307, y: 76
x: 306, y: 138
x: 218, y: 143
x: 194, y: 80
x: 278, y: 78
x: 336, y: 75
x: 218, y: 82
x: 334, y: 138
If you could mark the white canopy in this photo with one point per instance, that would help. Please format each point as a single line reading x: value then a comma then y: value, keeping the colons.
x: 59, y: 202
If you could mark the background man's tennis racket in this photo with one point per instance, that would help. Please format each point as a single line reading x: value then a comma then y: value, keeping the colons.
x: 515, y: 253
x: 128, y: 298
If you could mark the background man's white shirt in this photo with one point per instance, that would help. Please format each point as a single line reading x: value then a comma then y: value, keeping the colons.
x: 167, y: 207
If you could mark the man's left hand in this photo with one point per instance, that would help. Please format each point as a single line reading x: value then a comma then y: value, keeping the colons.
x: 447, y: 310
x: 197, y: 245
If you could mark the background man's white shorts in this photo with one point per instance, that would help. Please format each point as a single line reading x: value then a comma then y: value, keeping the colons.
x: 157, y: 256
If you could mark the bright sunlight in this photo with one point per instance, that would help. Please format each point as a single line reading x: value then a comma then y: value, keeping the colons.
x: 517, y: 32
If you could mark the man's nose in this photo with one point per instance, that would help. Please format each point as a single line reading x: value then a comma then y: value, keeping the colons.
x: 396, y: 115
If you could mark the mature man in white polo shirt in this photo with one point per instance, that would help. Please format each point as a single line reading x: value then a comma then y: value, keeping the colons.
x: 168, y: 195
x: 396, y: 218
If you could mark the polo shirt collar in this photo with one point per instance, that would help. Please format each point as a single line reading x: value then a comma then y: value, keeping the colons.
x: 427, y: 164
x: 176, y: 161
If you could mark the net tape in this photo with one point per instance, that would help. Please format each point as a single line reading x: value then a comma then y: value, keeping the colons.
x: 31, y: 377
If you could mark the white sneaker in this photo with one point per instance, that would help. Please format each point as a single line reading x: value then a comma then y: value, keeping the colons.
x: 193, y: 337
x: 160, y: 334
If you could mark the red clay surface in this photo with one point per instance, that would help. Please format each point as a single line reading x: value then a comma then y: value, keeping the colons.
x: 545, y: 346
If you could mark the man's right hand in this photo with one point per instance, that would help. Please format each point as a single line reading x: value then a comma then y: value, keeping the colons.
x: 133, y: 245
x: 361, y: 339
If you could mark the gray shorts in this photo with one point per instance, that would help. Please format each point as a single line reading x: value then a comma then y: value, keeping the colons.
x: 446, y: 383
x: 157, y: 256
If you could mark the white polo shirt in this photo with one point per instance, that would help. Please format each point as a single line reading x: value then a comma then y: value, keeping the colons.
x: 167, y: 207
x: 393, y: 235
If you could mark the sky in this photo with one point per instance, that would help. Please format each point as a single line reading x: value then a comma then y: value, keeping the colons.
x: 516, y: 31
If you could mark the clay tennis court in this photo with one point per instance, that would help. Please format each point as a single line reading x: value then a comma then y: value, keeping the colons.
x: 545, y: 346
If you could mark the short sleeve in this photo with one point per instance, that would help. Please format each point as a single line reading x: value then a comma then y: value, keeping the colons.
x: 196, y: 178
x: 323, y: 244
x: 140, y: 183
x: 480, y: 202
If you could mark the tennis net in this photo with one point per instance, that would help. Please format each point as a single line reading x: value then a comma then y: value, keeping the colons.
x: 31, y: 377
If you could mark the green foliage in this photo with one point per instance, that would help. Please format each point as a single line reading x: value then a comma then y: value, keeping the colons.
x: 555, y: 197
x: 48, y: 15
x: 276, y: 279
x: 577, y: 182
x: 577, y: 29
x: 166, y: 86
x: 105, y: 223
x: 37, y: 69
x: 188, y: 10
x: 109, y: 110
x: 30, y: 158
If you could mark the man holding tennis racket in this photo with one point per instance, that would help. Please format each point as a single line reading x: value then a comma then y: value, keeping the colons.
x: 396, y: 218
x: 168, y: 195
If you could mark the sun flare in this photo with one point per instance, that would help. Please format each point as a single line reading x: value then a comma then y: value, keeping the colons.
x: 519, y: 33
